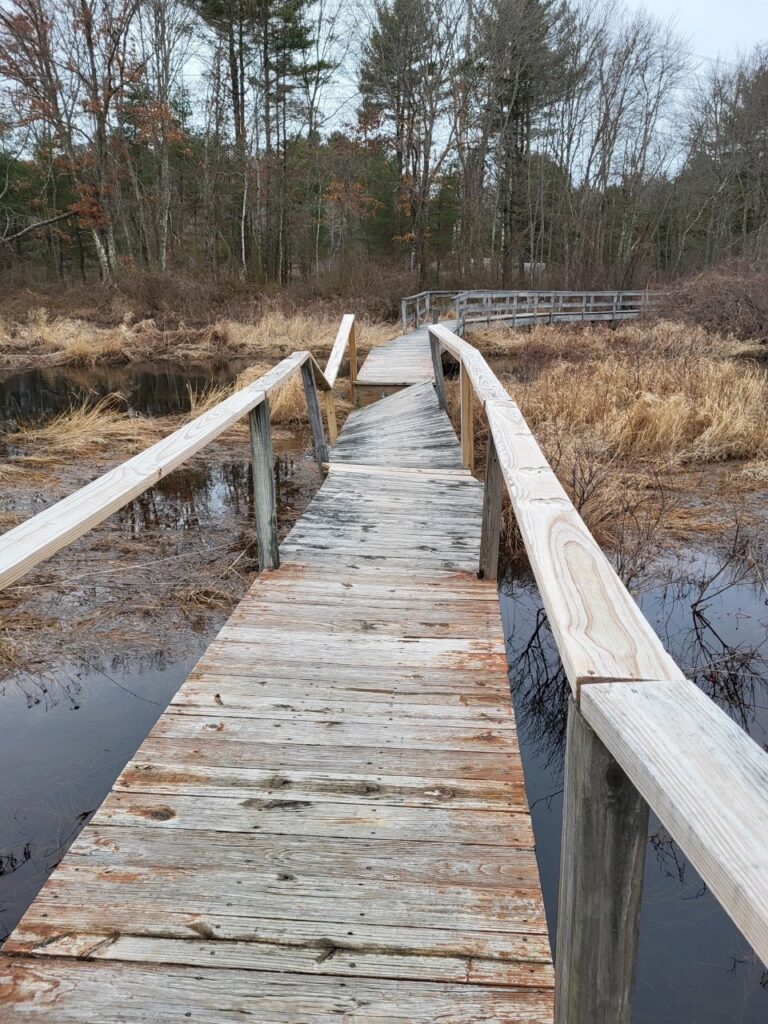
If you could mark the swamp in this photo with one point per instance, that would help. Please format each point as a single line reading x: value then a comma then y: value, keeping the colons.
x: 656, y: 429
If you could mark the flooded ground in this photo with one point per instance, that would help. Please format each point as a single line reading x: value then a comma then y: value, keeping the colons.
x: 694, y: 967
x: 127, y: 610
x: 146, y: 388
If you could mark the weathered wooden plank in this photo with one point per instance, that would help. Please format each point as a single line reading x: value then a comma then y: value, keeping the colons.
x: 447, y: 864
x: 344, y: 338
x: 704, y: 777
x: 605, y: 828
x: 393, y: 791
x: 321, y: 957
x: 236, y: 750
x: 329, y: 732
x: 492, y: 505
x: 315, y: 419
x: 158, y: 994
x: 264, y: 500
x: 437, y: 369
x: 467, y: 421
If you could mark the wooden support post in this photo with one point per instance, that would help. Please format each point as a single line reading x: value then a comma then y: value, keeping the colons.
x: 264, y: 501
x: 330, y: 416
x: 315, y: 419
x: 352, y: 344
x: 427, y: 308
x: 605, y: 825
x: 491, y: 530
x: 404, y: 315
x: 467, y: 421
x: 437, y: 366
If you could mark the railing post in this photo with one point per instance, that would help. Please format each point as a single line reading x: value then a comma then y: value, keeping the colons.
x: 437, y: 366
x: 467, y: 420
x: 605, y: 825
x: 263, y: 471
x: 427, y: 307
x: 330, y: 416
x: 352, y: 344
x: 404, y: 315
x: 491, y: 529
x: 315, y: 419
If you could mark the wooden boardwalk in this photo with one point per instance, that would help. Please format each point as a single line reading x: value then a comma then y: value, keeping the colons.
x: 329, y: 822
x: 396, y: 364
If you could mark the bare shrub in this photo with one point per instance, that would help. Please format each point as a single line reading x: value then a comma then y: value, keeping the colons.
x: 731, y: 299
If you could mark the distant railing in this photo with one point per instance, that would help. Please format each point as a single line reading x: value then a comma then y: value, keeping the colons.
x: 639, y: 733
x: 46, y: 533
x: 523, y: 308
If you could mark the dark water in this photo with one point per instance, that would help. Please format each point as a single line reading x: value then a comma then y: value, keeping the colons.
x: 694, y: 967
x: 153, y: 390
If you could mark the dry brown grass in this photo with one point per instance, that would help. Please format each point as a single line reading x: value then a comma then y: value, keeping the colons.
x: 63, y: 341
x: 93, y: 428
x: 627, y: 416
x: 663, y: 394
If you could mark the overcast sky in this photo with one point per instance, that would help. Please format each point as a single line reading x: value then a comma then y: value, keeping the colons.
x: 716, y: 27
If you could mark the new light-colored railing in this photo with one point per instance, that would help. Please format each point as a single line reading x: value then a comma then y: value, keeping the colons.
x: 639, y: 733
x: 46, y: 533
x: 524, y: 308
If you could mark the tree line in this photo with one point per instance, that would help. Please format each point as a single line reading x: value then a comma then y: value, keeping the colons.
x: 499, y: 142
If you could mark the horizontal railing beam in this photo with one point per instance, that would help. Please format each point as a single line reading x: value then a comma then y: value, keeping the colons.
x: 705, y: 779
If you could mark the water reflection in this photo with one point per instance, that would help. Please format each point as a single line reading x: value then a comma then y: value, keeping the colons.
x: 147, y: 389
x: 709, y: 607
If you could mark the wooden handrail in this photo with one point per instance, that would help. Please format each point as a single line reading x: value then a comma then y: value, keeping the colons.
x: 52, y: 529
x: 480, y: 305
x: 345, y: 338
x: 634, y: 717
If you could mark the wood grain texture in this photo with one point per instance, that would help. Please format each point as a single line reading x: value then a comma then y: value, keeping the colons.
x: 57, y: 991
x: 605, y: 829
x: 467, y: 421
x: 601, y: 633
x: 343, y: 338
x: 264, y: 499
x: 309, y: 376
x: 704, y: 777
x: 329, y: 821
x: 492, y: 505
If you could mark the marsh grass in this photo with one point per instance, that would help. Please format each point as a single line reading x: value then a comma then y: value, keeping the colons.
x: 627, y: 417
x: 663, y: 394
x: 93, y: 428
x: 64, y: 341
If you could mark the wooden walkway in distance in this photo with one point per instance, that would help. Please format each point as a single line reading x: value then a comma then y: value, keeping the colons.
x: 329, y: 822
x: 396, y: 364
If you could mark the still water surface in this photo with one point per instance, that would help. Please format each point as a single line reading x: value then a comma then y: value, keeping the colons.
x: 64, y: 740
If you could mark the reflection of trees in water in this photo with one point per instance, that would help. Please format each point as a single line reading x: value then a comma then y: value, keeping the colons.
x: 189, y: 497
x: 693, y: 614
x: 540, y: 689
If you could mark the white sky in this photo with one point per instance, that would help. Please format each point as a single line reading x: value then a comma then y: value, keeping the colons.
x: 716, y: 28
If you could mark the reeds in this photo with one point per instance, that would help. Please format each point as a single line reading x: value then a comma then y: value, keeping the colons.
x: 64, y: 341
x: 654, y: 407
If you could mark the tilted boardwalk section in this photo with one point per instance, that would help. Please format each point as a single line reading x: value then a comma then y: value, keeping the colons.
x: 329, y: 822
x: 396, y: 364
